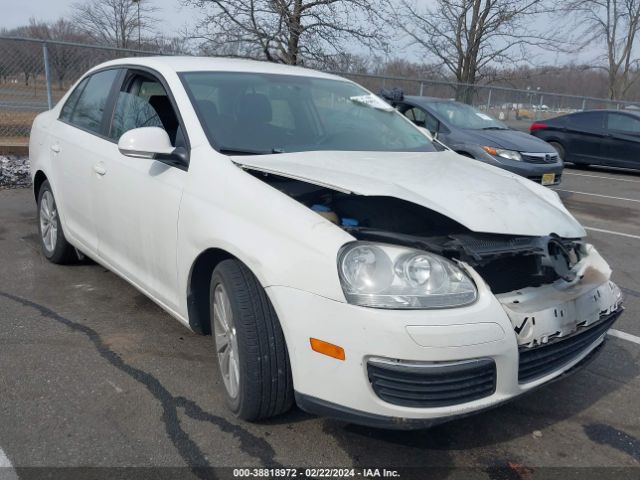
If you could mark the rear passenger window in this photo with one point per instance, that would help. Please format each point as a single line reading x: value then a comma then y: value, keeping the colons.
x: 70, y: 104
x: 587, y: 121
x: 89, y: 108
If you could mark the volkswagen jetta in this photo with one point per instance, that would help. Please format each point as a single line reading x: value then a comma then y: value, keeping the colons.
x: 338, y: 260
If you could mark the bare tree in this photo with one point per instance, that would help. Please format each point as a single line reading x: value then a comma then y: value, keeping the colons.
x: 616, y: 23
x: 23, y: 58
x: 118, y: 23
x: 288, y: 31
x: 64, y: 60
x: 468, y: 36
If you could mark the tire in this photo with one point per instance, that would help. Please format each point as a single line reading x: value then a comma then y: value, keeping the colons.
x: 560, y: 149
x: 52, y: 240
x: 264, y: 387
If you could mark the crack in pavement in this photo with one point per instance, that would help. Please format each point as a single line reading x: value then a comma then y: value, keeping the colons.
x: 607, y: 435
x: 192, y: 455
x: 631, y: 292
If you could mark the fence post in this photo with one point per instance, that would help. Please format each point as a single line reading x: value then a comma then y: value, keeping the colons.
x: 489, y: 100
x: 584, y: 104
x: 421, y: 88
x: 47, y: 74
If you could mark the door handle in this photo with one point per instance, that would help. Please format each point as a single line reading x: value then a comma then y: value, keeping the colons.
x: 55, y: 148
x: 99, y: 169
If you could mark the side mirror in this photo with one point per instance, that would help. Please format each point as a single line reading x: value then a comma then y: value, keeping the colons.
x: 152, y: 143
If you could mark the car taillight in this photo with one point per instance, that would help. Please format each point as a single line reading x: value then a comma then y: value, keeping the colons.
x: 537, y: 126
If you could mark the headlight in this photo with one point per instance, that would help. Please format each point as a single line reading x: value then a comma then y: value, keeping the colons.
x: 387, y: 276
x: 499, y: 152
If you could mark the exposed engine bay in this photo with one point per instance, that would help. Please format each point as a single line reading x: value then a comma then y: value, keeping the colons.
x: 547, y: 285
x: 505, y: 262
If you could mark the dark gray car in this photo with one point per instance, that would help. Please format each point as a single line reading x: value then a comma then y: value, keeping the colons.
x: 475, y: 134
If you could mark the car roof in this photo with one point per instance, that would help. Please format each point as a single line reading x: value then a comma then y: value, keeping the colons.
x: 418, y: 100
x: 606, y: 110
x: 213, y: 64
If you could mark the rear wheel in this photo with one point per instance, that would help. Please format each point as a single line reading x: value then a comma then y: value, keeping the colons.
x: 558, y: 148
x: 250, y: 347
x: 54, y: 244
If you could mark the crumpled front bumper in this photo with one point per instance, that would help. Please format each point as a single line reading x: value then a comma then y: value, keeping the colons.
x: 428, y: 338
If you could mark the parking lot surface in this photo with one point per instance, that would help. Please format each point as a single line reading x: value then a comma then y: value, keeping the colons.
x: 92, y: 373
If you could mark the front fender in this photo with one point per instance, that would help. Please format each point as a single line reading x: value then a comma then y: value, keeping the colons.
x: 280, y: 240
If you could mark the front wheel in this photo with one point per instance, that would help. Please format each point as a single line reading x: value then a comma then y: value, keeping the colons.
x: 54, y: 244
x: 250, y: 346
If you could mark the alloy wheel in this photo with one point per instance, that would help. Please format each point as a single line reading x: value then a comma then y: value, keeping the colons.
x: 48, y: 222
x: 226, y: 340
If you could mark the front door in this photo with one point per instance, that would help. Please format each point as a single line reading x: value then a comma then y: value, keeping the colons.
x: 139, y: 214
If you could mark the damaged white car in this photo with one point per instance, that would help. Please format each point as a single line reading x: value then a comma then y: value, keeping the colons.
x: 338, y: 260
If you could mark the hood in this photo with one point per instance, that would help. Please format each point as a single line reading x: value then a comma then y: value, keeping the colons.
x: 509, y: 140
x: 481, y: 197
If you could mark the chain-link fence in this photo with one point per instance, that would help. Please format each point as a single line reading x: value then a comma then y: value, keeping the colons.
x: 517, y: 108
x: 35, y: 74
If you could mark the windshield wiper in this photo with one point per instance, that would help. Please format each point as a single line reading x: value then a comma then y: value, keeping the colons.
x: 245, y: 151
x: 494, y: 128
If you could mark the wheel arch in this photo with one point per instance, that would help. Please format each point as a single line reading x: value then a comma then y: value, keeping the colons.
x: 38, y: 179
x: 561, y: 142
x: 198, y: 287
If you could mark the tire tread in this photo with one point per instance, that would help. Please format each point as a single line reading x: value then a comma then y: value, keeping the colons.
x: 267, y: 391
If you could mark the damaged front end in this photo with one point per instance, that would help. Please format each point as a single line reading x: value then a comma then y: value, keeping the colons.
x: 551, y: 287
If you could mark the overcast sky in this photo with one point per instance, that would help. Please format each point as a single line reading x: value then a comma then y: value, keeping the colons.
x: 174, y: 17
x: 18, y: 12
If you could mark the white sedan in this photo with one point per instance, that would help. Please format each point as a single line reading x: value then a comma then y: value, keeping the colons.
x: 336, y: 257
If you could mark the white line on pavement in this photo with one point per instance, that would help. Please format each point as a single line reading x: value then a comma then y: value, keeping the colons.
x: 599, y: 195
x: 6, y: 469
x: 624, y: 336
x: 611, y: 232
x: 602, y: 176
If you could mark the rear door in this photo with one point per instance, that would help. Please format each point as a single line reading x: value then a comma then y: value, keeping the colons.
x: 584, y: 136
x: 139, y: 214
x: 622, y: 145
x: 78, y: 138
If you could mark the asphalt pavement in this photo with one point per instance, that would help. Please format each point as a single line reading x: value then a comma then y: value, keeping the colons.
x: 93, y: 374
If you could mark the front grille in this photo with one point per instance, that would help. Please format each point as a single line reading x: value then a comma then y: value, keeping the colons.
x: 424, y: 385
x: 539, y: 361
x: 540, y: 157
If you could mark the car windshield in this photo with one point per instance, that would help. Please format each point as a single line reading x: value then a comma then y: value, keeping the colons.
x: 256, y: 113
x: 465, y: 116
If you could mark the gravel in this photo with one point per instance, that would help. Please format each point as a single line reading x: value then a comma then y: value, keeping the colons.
x: 14, y: 171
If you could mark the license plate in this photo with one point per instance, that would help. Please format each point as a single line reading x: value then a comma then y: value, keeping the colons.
x: 548, y: 178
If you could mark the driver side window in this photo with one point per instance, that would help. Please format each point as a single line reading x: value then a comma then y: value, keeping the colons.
x: 422, y: 118
x: 143, y: 102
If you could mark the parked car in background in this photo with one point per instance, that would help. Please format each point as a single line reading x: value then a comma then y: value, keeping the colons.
x: 338, y: 260
x: 595, y: 137
x: 475, y: 134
